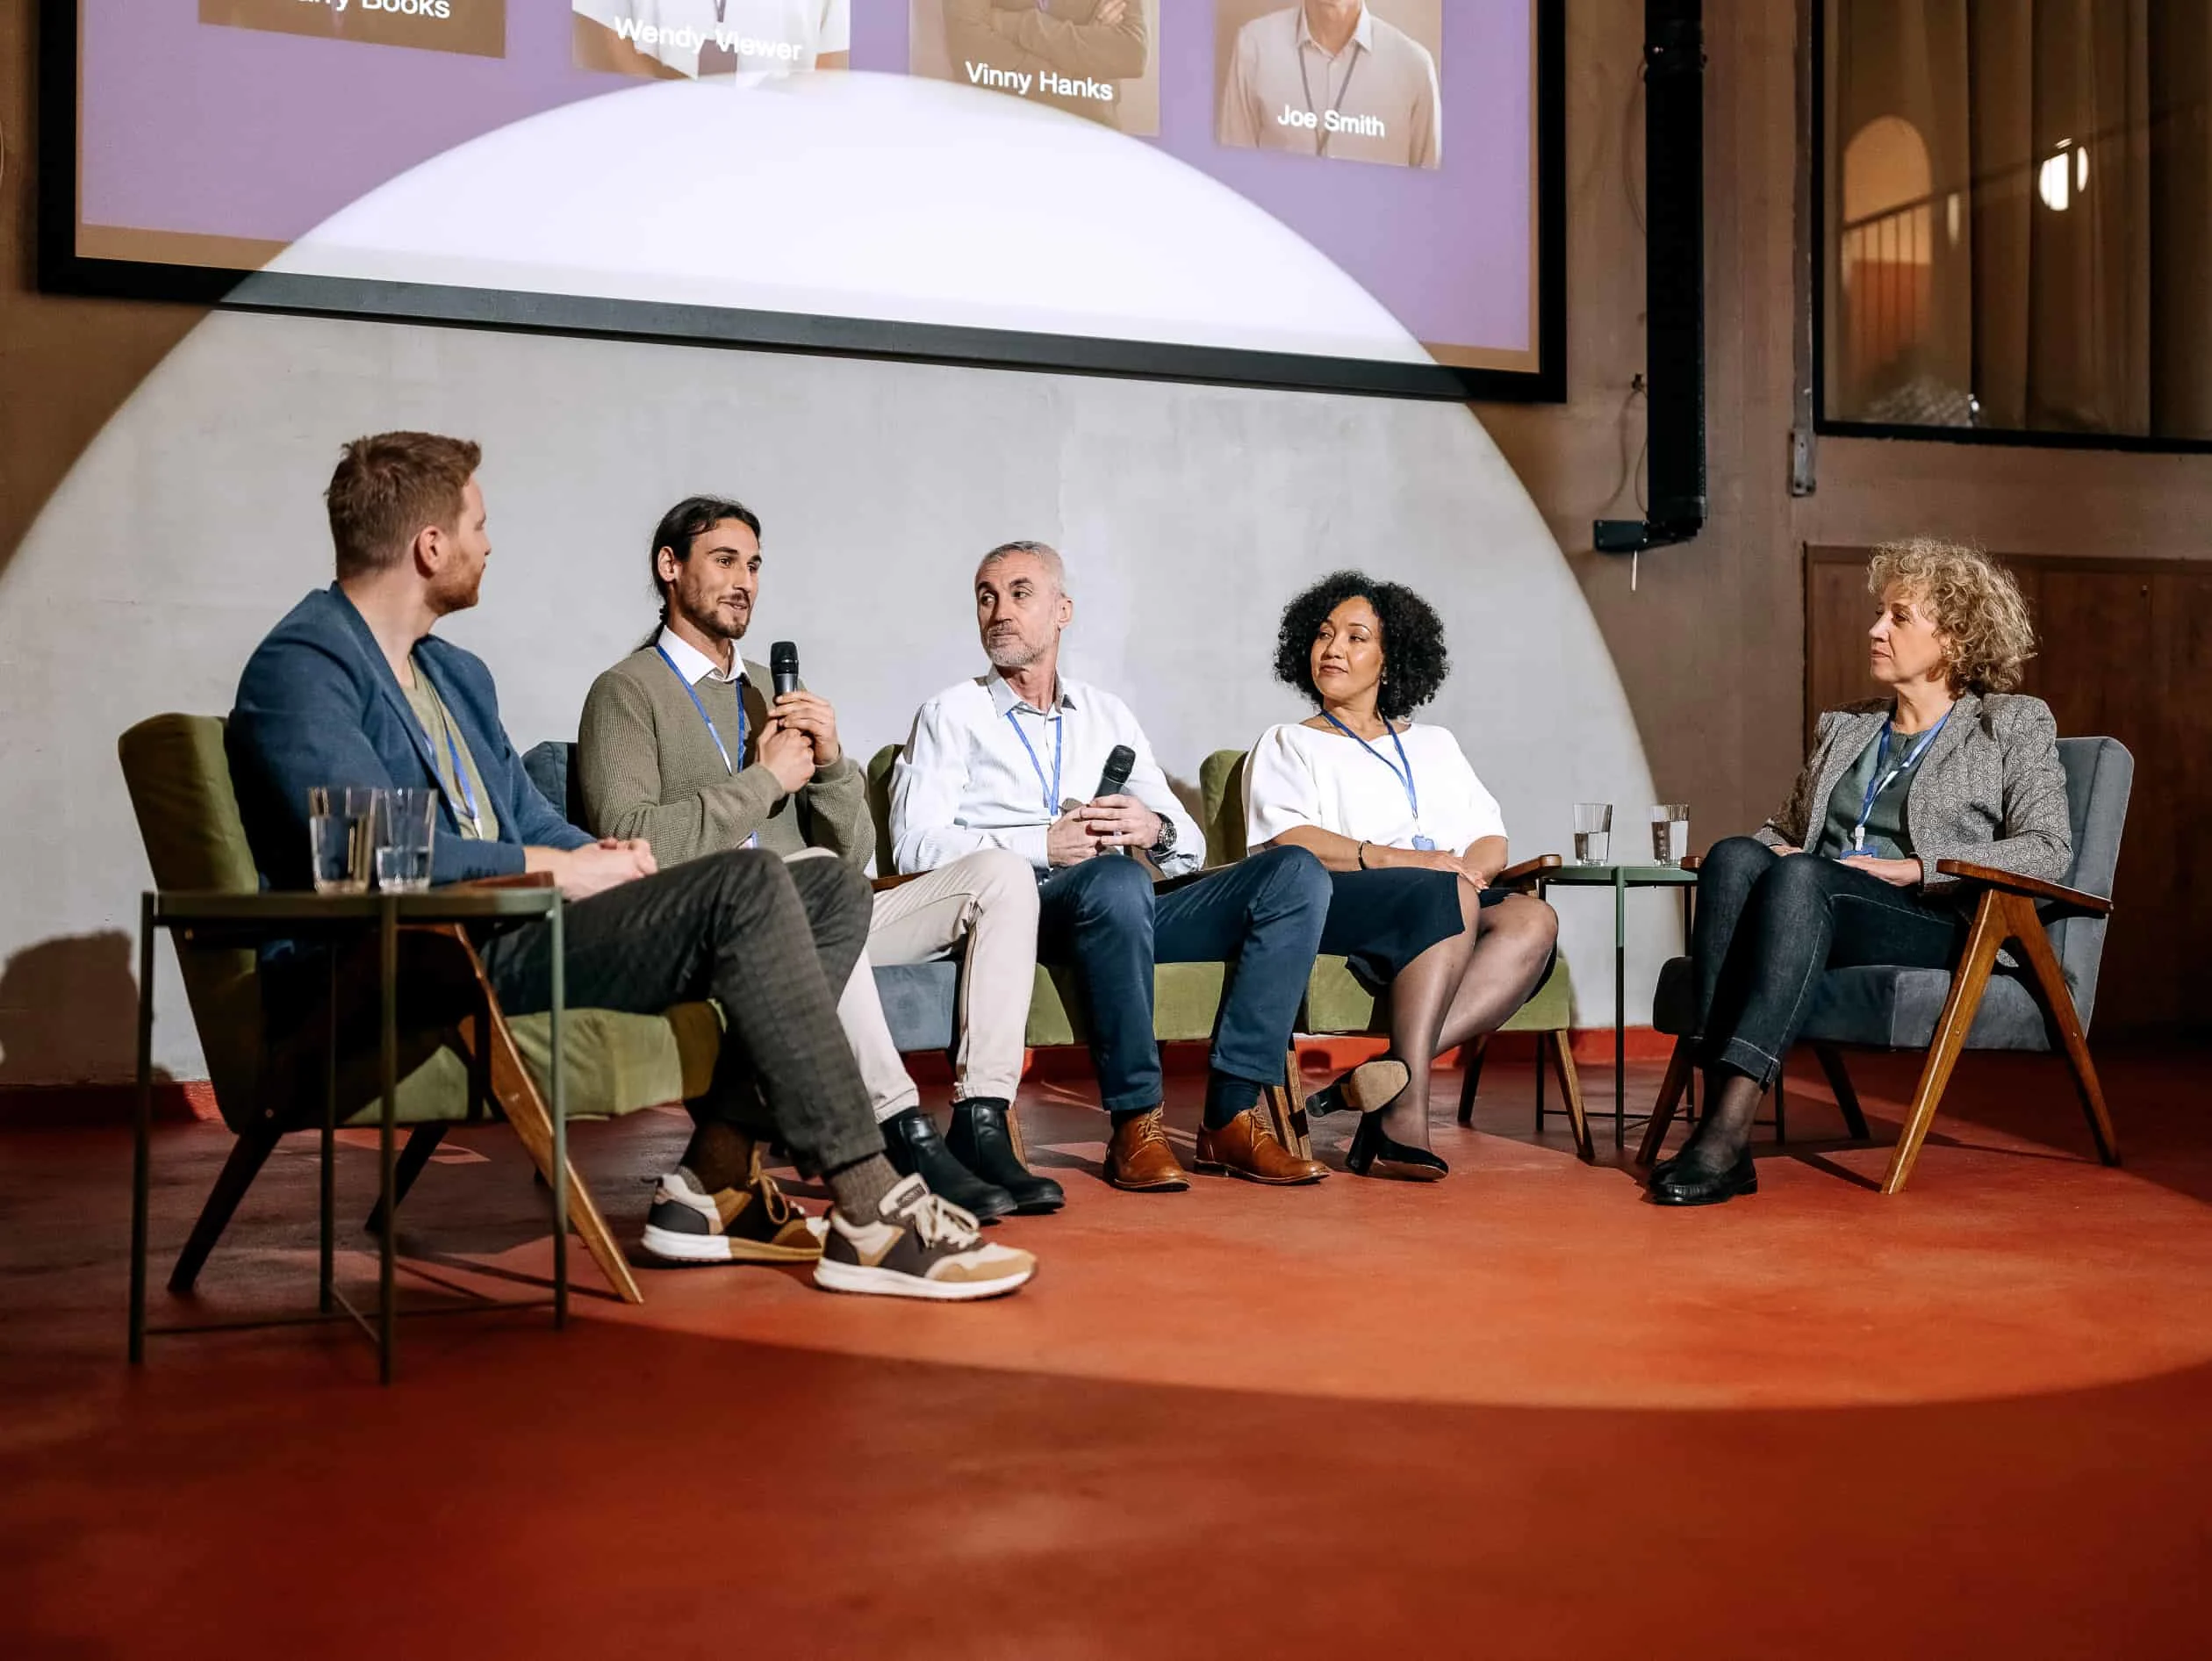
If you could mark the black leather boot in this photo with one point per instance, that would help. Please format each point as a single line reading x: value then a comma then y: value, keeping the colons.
x: 911, y: 1142
x: 981, y: 1141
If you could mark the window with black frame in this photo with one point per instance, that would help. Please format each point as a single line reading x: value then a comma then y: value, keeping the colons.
x: 2017, y: 218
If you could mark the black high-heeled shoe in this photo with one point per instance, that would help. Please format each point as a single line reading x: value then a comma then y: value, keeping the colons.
x: 1366, y: 1088
x: 1372, y: 1154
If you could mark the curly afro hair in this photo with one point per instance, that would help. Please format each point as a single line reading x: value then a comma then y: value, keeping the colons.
x: 1414, y: 660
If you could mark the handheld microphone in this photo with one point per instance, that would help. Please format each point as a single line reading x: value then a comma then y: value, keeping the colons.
x: 1119, y: 761
x: 783, y: 666
x: 1111, y: 782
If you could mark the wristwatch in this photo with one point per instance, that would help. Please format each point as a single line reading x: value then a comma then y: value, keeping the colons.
x: 1165, y: 846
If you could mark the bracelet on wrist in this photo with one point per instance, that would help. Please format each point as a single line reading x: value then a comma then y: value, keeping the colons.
x: 1363, y: 863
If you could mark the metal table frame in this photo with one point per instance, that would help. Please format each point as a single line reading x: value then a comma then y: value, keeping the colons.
x: 1621, y: 879
x: 253, y: 919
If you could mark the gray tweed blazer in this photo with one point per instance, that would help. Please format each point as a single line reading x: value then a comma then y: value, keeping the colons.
x: 1989, y: 790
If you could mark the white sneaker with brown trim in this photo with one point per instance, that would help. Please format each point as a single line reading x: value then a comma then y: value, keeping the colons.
x: 755, y: 1223
x: 918, y: 1246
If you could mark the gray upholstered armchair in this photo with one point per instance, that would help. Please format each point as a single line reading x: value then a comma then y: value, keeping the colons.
x: 2043, y: 1005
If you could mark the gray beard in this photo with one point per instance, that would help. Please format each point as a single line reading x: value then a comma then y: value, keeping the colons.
x: 1013, y: 654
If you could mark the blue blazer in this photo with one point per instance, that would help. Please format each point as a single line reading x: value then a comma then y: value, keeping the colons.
x: 318, y: 705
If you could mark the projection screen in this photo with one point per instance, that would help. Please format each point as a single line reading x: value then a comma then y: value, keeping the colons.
x: 1123, y: 186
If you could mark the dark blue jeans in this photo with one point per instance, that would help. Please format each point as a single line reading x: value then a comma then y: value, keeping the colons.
x: 1769, y: 926
x: 1262, y: 916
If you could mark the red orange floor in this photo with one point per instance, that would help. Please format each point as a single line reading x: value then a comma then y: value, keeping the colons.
x: 1520, y: 1413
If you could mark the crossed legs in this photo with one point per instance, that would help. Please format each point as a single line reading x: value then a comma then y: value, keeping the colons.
x: 1462, y: 988
x: 1769, y: 925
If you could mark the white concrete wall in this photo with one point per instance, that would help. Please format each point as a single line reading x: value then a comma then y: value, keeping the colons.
x: 1189, y: 515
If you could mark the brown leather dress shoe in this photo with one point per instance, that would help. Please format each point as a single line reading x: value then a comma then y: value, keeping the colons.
x: 1139, y: 1158
x: 1247, y: 1147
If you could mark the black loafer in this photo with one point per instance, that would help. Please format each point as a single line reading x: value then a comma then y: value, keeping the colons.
x: 1683, y: 1183
x: 982, y: 1141
x: 911, y: 1142
x: 1373, y: 1154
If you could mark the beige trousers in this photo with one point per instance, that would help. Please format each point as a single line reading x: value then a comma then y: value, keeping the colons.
x: 989, y: 899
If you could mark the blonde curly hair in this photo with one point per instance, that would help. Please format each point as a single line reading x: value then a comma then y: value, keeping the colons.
x: 1973, y: 601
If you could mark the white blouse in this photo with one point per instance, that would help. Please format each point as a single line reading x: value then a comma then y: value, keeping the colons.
x: 1299, y: 775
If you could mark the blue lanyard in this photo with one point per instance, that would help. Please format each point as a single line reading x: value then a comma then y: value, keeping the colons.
x: 461, y: 780
x: 453, y: 749
x: 1059, y: 742
x: 712, y: 732
x: 1880, y: 782
x: 1405, y: 778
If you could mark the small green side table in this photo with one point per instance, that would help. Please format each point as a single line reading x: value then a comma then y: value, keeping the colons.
x: 250, y: 919
x: 1621, y: 879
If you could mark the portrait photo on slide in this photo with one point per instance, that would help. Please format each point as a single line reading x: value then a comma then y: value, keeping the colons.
x: 1334, y: 80
x: 1098, y: 59
x: 740, y: 41
x: 478, y: 27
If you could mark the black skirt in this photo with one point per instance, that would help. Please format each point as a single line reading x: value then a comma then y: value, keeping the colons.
x: 1382, y: 920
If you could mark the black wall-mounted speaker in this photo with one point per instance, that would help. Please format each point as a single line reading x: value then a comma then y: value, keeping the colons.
x: 1674, y: 280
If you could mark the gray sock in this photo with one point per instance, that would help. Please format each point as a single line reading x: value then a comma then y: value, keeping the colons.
x: 860, y: 1187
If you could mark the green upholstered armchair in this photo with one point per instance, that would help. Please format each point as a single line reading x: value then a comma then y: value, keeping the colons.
x: 1337, y: 1004
x: 188, y: 816
x: 1186, y: 996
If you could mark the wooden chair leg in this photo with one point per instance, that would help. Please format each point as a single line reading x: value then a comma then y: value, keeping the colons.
x: 2058, y: 1004
x: 517, y: 1094
x: 422, y: 1142
x: 1969, y: 980
x: 1663, y: 1111
x: 1563, y: 1057
x: 1839, y: 1078
x: 1286, y: 1108
x: 1471, y: 1057
x: 248, y: 1153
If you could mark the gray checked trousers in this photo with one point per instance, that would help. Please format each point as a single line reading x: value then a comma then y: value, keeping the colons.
x: 772, y: 943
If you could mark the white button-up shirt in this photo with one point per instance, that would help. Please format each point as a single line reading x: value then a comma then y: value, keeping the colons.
x: 695, y: 665
x: 979, y: 773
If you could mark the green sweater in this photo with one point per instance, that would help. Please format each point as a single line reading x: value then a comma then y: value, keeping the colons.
x: 649, y: 768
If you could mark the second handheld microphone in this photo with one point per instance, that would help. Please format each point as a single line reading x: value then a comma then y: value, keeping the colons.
x: 783, y: 666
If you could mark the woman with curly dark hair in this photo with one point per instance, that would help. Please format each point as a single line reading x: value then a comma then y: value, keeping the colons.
x: 1411, y: 840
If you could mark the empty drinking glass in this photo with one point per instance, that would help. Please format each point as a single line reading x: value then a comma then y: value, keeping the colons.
x: 342, y: 837
x: 1669, y: 832
x: 403, y: 840
x: 1593, y: 833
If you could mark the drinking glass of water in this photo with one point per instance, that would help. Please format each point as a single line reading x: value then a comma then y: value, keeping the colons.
x: 1669, y: 833
x: 1593, y: 833
x: 403, y: 852
x: 342, y: 837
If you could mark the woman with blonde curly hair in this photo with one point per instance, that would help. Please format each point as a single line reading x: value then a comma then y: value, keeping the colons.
x: 1948, y: 764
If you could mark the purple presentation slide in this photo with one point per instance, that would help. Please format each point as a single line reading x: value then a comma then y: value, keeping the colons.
x: 218, y: 132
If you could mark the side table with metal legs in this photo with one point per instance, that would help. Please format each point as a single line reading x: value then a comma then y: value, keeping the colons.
x: 252, y: 919
x: 1621, y: 879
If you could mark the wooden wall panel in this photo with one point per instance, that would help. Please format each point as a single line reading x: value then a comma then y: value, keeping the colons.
x: 2125, y: 650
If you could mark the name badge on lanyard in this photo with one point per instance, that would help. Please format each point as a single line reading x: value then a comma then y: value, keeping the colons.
x: 1425, y: 844
x: 714, y: 732
x: 1878, y: 780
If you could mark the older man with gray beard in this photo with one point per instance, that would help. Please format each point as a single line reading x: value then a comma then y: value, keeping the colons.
x: 1004, y: 760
